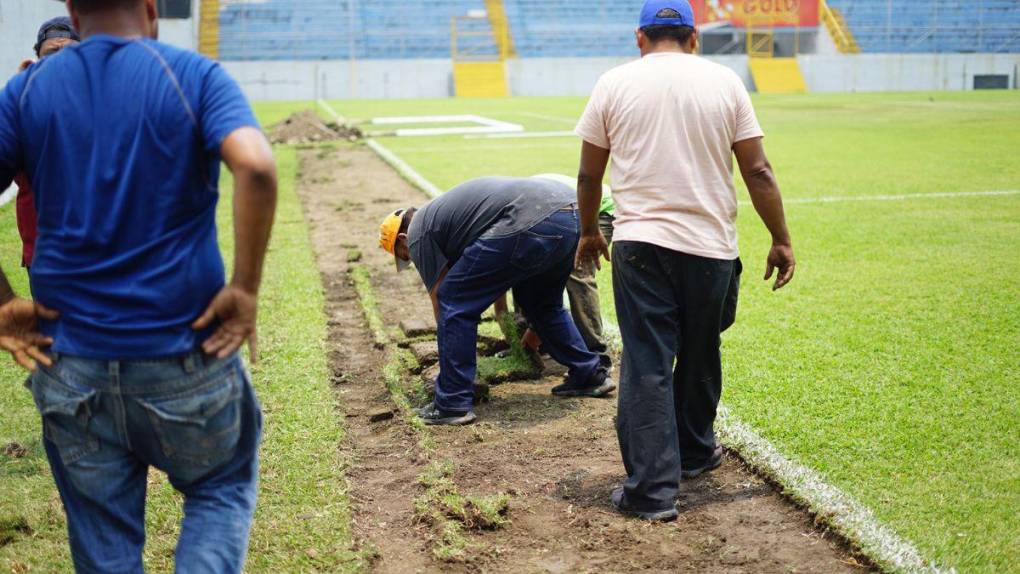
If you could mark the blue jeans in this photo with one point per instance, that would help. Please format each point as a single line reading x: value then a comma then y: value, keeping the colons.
x: 535, y: 264
x: 106, y: 422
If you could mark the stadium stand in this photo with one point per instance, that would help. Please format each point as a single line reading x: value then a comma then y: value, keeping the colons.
x: 898, y: 26
x: 342, y: 29
x: 544, y: 28
x: 393, y: 29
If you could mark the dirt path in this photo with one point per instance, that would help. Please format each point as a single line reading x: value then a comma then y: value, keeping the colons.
x: 558, y: 459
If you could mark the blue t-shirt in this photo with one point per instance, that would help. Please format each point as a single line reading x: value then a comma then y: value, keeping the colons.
x: 121, y: 139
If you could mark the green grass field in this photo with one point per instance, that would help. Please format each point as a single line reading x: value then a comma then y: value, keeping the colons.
x: 892, y: 363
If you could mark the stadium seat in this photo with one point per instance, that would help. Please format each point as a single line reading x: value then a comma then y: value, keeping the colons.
x: 905, y: 26
x: 392, y: 29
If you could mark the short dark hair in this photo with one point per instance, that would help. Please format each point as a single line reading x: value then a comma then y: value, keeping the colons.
x: 88, y: 6
x: 678, y: 34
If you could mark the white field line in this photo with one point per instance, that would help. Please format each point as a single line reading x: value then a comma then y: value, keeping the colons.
x: 9, y: 194
x: 485, y: 125
x: 903, y: 197
x: 403, y: 168
x: 559, y: 119
x: 406, y: 171
x: 329, y: 110
x: 837, y: 509
x: 524, y: 135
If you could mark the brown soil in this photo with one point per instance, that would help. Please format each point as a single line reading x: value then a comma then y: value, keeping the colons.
x: 307, y: 127
x: 558, y: 459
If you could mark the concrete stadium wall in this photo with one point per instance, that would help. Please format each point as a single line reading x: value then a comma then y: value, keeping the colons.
x: 372, y: 79
x: 577, y: 76
x: 344, y: 79
x: 403, y: 79
x: 20, y: 20
x: 904, y: 72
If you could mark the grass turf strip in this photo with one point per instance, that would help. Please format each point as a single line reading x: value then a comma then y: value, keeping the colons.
x: 303, y: 518
x: 890, y: 365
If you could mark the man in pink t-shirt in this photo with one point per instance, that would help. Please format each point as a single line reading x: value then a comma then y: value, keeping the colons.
x: 671, y: 122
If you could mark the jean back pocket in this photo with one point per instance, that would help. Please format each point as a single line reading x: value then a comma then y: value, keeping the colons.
x: 533, y: 252
x: 66, y: 408
x: 198, y: 429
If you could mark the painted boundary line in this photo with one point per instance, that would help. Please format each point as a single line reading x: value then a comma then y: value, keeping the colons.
x: 403, y: 168
x: 903, y: 197
x: 835, y: 508
x: 485, y: 125
x: 522, y: 135
x: 329, y: 110
x: 406, y: 171
x: 548, y: 118
x: 832, y: 506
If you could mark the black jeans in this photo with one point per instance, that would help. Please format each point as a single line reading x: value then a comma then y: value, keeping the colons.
x: 671, y: 309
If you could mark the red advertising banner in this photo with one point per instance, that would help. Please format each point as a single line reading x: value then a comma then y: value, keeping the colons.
x: 741, y: 13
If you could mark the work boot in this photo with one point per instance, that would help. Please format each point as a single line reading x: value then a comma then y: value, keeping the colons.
x: 598, y: 386
x: 713, y: 462
x: 665, y: 515
x: 433, y: 415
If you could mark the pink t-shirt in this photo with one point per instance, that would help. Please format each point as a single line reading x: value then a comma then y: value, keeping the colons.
x: 670, y: 121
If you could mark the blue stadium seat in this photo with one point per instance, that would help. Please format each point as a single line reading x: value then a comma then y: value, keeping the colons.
x: 582, y: 28
x: 392, y: 29
x: 904, y: 26
x: 343, y: 29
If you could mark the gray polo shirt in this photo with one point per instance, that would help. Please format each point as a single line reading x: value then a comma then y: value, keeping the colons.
x: 486, y: 208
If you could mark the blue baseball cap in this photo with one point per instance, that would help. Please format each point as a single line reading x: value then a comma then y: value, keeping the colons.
x: 59, y: 27
x: 667, y: 13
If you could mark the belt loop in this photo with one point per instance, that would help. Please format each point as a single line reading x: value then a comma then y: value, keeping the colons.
x: 113, y: 368
x: 188, y: 362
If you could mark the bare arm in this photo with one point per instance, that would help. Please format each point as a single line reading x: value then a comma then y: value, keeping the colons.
x: 250, y: 158
x: 768, y: 202
x: 594, y: 161
x: 434, y: 294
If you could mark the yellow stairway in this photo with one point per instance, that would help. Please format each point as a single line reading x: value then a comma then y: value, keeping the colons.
x: 209, y: 29
x: 480, y: 79
x: 496, y: 12
x: 838, y: 29
x: 777, y: 76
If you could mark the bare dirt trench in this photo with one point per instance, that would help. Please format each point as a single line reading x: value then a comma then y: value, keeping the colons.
x: 558, y: 459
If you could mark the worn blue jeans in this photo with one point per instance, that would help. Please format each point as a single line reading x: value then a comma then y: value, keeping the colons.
x: 535, y: 264
x: 106, y: 422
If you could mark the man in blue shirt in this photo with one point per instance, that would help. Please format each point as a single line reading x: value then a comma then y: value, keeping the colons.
x: 122, y: 138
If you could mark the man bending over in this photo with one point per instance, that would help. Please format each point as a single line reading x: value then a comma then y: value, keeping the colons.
x: 473, y: 244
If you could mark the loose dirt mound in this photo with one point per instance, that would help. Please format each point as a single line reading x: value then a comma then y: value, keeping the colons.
x: 555, y: 460
x: 307, y: 127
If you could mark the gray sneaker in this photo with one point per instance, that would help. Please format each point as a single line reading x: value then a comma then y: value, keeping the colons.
x: 432, y: 415
x: 665, y: 515
x: 598, y: 390
x: 713, y: 462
